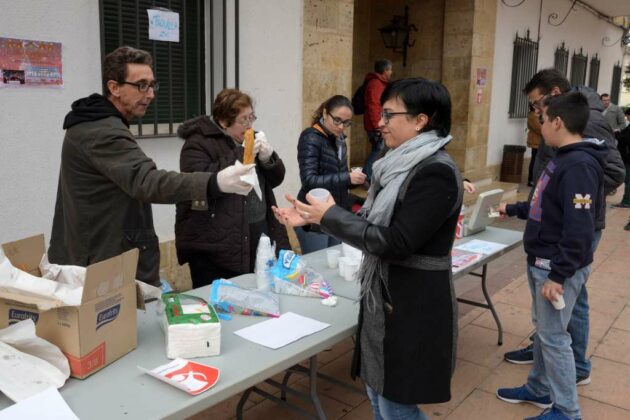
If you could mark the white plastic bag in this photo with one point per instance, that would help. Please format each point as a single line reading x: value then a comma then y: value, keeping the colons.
x: 29, y: 364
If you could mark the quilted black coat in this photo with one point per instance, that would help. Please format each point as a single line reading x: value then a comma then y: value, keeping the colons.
x: 223, y: 230
x: 320, y: 165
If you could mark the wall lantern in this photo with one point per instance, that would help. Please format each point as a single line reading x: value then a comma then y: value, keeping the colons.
x: 396, y: 34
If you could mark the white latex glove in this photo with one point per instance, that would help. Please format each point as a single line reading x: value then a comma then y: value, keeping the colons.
x: 262, y: 148
x: 229, y: 179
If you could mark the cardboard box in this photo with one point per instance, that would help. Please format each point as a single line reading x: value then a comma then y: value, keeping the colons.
x: 102, y: 329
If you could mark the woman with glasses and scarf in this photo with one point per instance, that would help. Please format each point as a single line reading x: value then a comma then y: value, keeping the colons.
x: 322, y: 157
x: 406, y: 337
x: 222, y: 242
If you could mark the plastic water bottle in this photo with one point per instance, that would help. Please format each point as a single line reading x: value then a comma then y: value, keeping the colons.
x: 265, y: 260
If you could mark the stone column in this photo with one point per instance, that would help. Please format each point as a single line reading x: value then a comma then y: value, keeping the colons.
x: 468, y: 51
x: 327, y: 52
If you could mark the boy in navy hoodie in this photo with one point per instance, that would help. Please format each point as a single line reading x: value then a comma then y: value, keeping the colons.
x: 558, y: 240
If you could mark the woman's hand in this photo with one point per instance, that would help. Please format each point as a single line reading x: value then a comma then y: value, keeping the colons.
x: 357, y: 178
x: 288, y: 216
x: 301, y: 213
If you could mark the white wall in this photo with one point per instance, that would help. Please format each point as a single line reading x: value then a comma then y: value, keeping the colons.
x: 581, y: 29
x: 31, y: 119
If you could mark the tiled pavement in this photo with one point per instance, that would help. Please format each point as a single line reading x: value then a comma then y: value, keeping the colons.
x: 480, y: 369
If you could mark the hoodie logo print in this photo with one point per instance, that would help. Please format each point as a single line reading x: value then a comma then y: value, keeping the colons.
x: 582, y: 201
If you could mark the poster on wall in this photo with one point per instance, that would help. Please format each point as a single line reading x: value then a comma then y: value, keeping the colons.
x: 163, y: 25
x: 27, y: 63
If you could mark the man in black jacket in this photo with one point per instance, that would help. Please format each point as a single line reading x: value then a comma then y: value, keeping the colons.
x: 550, y: 82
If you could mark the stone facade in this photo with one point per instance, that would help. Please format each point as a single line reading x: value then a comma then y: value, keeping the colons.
x: 469, y: 28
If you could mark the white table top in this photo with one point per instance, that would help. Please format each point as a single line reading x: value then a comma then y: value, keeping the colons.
x: 121, y: 390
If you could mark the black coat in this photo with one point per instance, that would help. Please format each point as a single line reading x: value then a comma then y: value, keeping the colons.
x: 419, y: 334
x: 623, y: 138
x: 223, y: 231
x: 321, y: 167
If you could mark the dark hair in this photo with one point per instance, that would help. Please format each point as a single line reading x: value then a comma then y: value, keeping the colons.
x: 627, y: 111
x: 422, y: 96
x: 602, y: 95
x: 381, y: 65
x: 329, y: 104
x: 571, y: 108
x: 115, y: 64
x: 545, y: 80
x: 228, y: 104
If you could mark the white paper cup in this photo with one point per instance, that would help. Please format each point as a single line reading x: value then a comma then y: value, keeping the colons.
x: 559, y: 302
x: 351, y: 269
x: 320, y: 194
x: 357, y: 169
x: 342, y: 265
x: 332, y: 256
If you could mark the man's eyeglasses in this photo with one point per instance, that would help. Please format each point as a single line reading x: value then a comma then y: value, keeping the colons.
x: 538, y: 103
x: 143, y: 86
x: 338, y: 121
x: 387, y: 115
x: 247, y: 121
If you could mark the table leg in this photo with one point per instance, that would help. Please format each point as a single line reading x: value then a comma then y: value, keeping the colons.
x: 488, y: 304
x: 241, y: 403
x: 313, y: 388
x: 484, y: 273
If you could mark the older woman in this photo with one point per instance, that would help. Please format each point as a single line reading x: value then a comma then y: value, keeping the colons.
x: 222, y: 241
x: 405, y: 347
x: 322, y: 156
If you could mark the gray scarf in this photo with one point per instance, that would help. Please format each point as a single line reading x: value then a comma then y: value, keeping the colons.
x: 388, y: 174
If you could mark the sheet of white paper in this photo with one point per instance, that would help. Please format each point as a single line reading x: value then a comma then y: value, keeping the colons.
x: 47, y: 405
x: 481, y: 247
x: 279, y: 332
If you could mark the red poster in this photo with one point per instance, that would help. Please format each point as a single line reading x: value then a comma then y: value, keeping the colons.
x: 25, y: 63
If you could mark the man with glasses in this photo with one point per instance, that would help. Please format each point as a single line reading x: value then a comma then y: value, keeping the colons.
x: 550, y: 82
x: 375, y: 83
x: 106, y: 182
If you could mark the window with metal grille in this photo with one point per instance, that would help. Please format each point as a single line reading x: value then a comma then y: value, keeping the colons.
x: 579, y: 62
x: 616, y: 84
x: 561, y: 59
x: 593, y: 73
x: 524, y: 63
x: 178, y: 66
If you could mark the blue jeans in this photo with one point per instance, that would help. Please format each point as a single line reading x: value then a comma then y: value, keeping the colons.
x: 553, y: 372
x: 579, y: 326
x: 377, y: 145
x: 385, y: 409
x: 314, y: 241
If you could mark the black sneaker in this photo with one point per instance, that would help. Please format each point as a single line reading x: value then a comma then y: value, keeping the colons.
x: 582, y: 380
x: 627, y: 227
x: 523, y: 356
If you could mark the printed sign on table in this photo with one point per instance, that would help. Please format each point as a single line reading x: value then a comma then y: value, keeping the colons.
x: 163, y: 25
x: 188, y: 376
x: 25, y: 63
